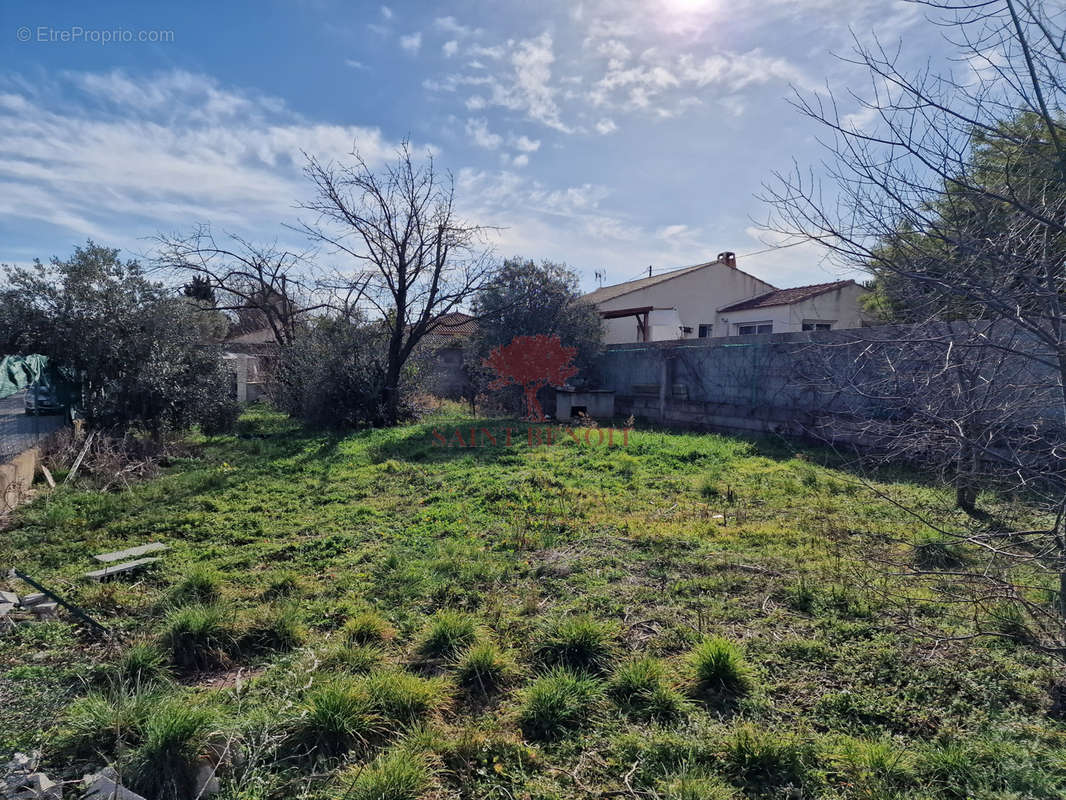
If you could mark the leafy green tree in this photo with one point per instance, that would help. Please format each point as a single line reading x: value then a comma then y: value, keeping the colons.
x: 137, y: 349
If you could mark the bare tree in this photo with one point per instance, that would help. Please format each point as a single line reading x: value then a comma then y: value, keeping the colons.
x: 954, y: 198
x: 400, y: 224
x: 259, y: 286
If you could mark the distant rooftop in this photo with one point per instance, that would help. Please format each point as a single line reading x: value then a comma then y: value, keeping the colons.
x: 784, y: 297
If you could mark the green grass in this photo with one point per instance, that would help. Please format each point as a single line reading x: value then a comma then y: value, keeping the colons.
x: 690, y: 616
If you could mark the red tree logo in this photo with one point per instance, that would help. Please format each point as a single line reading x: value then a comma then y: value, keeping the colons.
x: 532, y: 362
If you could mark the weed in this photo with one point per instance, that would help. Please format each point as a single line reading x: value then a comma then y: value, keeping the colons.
x: 698, y: 785
x: 103, y: 724
x: 802, y: 595
x: 718, y: 667
x: 354, y: 658
x: 447, y: 634
x: 558, y: 703
x: 486, y: 668
x: 199, y: 637
x: 933, y: 550
x: 578, y: 643
x: 764, y: 758
x: 282, y: 583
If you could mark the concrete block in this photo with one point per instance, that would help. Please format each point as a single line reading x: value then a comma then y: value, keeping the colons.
x: 104, y: 785
x: 32, y: 599
x: 119, y: 569
x: 6, y: 608
x: 131, y: 552
x: 9, y: 597
x: 46, y: 610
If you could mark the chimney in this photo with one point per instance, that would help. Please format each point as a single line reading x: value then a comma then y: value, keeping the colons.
x: 728, y: 258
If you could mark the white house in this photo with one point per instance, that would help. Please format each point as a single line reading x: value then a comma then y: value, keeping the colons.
x: 717, y: 299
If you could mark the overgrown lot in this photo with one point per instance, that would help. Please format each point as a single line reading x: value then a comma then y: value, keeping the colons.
x: 375, y: 616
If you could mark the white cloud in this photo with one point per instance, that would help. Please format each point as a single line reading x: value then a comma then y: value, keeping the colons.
x: 351, y: 62
x: 118, y: 158
x: 606, y: 126
x: 412, y: 42
x: 525, y: 144
x: 520, y: 160
x: 452, y: 27
x: 450, y: 48
x: 478, y: 131
x: 475, y: 102
x: 386, y: 12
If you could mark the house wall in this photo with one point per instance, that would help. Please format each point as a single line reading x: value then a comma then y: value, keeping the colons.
x: 841, y: 306
x: 694, y: 295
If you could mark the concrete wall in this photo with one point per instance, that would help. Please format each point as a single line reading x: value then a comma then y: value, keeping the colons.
x: 841, y: 307
x: 694, y: 295
x: 764, y: 383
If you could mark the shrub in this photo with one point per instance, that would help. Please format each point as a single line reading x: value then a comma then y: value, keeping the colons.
x: 396, y: 775
x: 164, y: 766
x: 275, y: 628
x: 200, y: 585
x: 579, y: 643
x: 641, y: 688
x: 718, y: 667
x: 485, y: 667
x: 447, y: 634
x: 403, y: 698
x: 335, y: 717
x: 558, y: 703
x: 199, y: 637
x: 367, y: 627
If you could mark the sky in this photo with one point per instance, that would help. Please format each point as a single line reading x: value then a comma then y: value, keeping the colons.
x: 607, y: 134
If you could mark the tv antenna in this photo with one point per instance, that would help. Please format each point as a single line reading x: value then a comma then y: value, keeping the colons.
x: 601, y: 276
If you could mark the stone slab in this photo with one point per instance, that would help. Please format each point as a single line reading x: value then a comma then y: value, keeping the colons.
x: 131, y: 552
x: 119, y: 569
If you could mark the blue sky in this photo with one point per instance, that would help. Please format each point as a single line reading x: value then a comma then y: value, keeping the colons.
x: 609, y: 134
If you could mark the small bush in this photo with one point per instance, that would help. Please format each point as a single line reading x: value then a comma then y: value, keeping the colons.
x: 579, y: 643
x: 403, y: 698
x: 201, y: 585
x: 199, y: 637
x: 164, y: 766
x: 396, y: 775
x: 447, y: 634
x: 336, y: 717
x: 718, y: 667
x: 484, y: 667
x: 367, y: 627
x: 558, y: 703
x: 274, y: 628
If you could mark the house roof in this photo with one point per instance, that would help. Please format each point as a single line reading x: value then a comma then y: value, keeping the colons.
x: 454, y: 323
x: 786, y: 297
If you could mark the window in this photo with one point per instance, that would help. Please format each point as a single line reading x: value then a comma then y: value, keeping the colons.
x: 815, y: 325
x: 747, y: 329
x: 705, y: 331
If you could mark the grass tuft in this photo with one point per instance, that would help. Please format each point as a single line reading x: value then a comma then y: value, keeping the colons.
x: 401, y: 698
x: 718, y: 667
x: 580, y: 643
x: 448, y: 633
x: 641, y: 688
x: 201, y: 585
x: 335, y: 718
x: 367, y: 627
x: 199, y: 637
x: 485, y: 668
x: 164, y: 765
x: 275, y: 628
x: 395, y: 775
x: 558, y: 703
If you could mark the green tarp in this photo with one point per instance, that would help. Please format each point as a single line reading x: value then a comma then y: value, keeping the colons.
x: 18, y: 372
